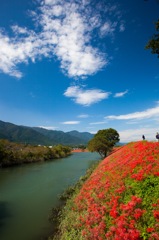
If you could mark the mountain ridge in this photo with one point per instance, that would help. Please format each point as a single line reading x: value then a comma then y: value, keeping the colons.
x: 42, y: 136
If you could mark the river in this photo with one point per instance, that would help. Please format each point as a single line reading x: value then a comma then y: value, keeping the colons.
x: 28, y: 192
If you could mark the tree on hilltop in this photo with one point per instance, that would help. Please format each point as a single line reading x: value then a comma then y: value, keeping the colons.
x: 153, y: 44
x: 103, y: 141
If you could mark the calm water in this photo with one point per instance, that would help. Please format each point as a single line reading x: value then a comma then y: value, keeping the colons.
x: 28, y: 192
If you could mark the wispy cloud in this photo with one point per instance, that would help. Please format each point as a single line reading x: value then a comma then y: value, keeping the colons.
x: 32, y: 94
x: 83, y: 116
x: 148, y: 113
x: 70, y: 122
x: 132, y: 122
x: 64, y: 29
x: 120, y: 94
x: 108, y: 28
x: 122, y: 27
x: 97, y: 123
x: 85, y: 97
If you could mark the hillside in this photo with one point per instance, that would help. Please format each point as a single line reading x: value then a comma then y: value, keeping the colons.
x: 21, y: 134
x: 120, y: 200
x: 60, y: 137
x: 84, y: 136
x: 41, y: 136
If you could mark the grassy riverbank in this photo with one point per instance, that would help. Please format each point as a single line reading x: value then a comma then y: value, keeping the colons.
x: 58, y: 214
x: 120, y: 200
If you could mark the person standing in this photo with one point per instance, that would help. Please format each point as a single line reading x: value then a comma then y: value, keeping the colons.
x: 143, y: 137
x: 157, y: 136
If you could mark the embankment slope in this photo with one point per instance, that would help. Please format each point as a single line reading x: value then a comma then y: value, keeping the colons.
x: 120, y: 200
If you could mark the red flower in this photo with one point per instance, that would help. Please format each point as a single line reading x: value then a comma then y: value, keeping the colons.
x: 138, y: 213
x: 150, y: 229
x: 156, y: 214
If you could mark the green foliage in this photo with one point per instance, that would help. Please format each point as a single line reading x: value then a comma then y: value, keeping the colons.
x: 82, y: 147
x: 104, y: 141
x: 14, y: 153
x: 153, y: 44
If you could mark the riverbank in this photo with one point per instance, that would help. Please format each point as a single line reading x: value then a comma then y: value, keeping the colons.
x: 12, y: 154
x: 57, y: 215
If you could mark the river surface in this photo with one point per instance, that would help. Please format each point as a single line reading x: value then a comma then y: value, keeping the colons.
x: 28, y: 192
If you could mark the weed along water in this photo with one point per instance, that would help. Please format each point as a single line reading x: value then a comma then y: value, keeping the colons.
x: 28, y: 192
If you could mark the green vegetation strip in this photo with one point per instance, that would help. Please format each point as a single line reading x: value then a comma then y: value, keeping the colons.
x: 60, y: 216
x: 15, y: 153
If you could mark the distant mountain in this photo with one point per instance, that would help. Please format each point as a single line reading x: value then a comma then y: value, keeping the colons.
x: 85, y: 136
x: 36, y: 135
x: 60, y: 137
x: 21, y: 134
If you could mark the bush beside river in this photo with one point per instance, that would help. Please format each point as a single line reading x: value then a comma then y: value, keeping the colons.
x: 14, y: 154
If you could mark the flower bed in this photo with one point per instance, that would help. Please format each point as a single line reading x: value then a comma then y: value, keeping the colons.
x: 121, y: 198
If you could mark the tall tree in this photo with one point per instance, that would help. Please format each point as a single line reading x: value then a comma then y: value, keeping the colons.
x: 104, y: 141
x: 153, y: 44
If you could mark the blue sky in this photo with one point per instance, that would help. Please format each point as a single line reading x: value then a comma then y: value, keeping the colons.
x: 80, y: 65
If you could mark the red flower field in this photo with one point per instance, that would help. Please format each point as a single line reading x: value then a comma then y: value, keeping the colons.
x: 121, y: 198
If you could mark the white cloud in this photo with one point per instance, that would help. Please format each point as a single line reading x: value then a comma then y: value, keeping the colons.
x: 50, y: 1
x: 120, y: 94
x: 93, y: 132
x: 14, y: 51
x: 48, y: 127
x: 149, y: 113
x: 73, y: 49
x: 71, y: 122
x: 65, y: 30
x: 85, y: 97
